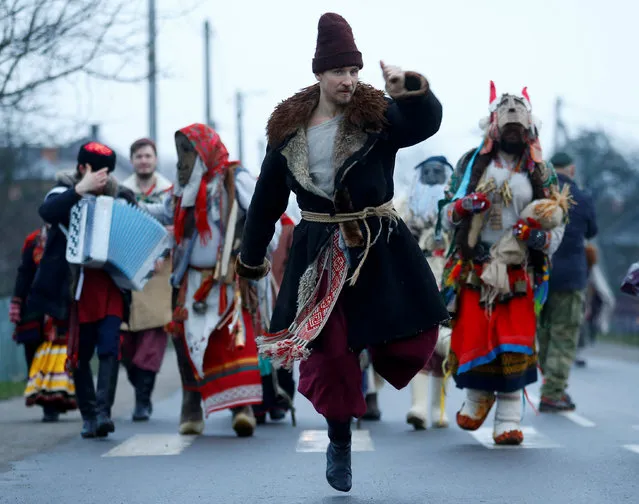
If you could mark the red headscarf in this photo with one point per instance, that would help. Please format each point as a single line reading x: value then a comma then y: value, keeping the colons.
x: 212, y: 151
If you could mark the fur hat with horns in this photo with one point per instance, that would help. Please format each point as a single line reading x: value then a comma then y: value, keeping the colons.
x: 511, y: 109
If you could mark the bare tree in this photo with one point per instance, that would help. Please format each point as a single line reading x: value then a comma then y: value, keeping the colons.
x: 44, y: 41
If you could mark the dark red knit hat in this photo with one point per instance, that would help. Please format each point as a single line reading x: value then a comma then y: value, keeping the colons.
x: 335, y: 45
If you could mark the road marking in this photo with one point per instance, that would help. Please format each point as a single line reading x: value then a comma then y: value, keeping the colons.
x: 632, y: 447
x: 570, y: 415
x: 151, y: 445
x: 532, y: 439
x: 578, y: 419
x: 317, y: 441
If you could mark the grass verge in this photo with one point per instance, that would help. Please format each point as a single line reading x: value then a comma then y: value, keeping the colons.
x: 630, y: 339
x: 9, y: 390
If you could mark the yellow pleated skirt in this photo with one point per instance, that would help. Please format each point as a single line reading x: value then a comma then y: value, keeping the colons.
x: 49, y: 384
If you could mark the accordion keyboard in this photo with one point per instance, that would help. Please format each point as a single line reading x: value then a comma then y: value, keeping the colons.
x: 118, y: 237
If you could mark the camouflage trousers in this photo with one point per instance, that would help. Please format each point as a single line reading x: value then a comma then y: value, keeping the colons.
x: 558, y: 335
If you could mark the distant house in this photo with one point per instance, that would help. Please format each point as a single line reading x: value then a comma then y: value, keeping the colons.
x: 26, y: 175
x: 42, y: 163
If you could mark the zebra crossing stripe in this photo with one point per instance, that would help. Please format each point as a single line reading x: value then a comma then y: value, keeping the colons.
x: 532, y: 439
x: 151, y: 445
x: 632, y: 447
x: 570, y: 415
x: 317, y: 441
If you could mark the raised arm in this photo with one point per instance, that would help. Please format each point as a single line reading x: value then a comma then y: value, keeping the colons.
x: 268, y: 203
x: 414, y: 113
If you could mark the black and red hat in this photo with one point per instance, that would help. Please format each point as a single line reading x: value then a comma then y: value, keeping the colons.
x: 97, y: 155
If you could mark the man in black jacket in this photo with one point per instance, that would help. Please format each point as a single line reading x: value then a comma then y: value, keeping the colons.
x: 563, y: 312
x: 356, y: 278
x: 88, y: 300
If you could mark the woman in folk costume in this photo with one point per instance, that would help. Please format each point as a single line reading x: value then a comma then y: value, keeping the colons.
x: 356, y: 278
x: 493, y: 300
x: 212, y: 326
x: 49, y: 385
x: 433, y: 176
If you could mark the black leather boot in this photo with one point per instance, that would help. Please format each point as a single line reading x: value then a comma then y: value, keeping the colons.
x: 85, y: 397
x: 372, y: 408
x: 50, y: 414
x: 105, y: 394
x: 112, y: 388
x: 131, y: 373
x: 338, y: 456
x: 145, y: 381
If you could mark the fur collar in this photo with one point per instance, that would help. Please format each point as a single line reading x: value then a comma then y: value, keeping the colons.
x: 70, y: 178
x: 366, y: 111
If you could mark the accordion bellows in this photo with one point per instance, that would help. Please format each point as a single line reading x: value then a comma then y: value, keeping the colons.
x: 110, y: 234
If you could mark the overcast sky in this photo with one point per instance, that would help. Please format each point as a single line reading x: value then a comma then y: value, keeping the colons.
x: 582, y: 50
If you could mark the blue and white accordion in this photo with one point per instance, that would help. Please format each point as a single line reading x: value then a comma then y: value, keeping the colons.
x: 111, y: 234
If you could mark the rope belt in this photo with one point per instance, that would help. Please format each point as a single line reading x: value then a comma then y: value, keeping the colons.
x: 385, y: 210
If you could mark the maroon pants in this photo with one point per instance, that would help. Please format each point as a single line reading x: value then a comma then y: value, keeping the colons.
x: 145, y: 349
x: 331, y: 377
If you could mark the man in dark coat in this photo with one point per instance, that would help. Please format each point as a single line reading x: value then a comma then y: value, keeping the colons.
x: 563, y: 313
x: 86, y: 301
x: 356, y: 278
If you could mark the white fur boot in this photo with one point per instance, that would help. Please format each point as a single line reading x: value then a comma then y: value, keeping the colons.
x: 507, y: 430
x: 475, y: 409
x: 418, y: 414
x: 439, y: 419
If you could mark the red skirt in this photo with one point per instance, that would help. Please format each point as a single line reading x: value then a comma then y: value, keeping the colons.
x: 231, y: 374
x: 495, y: 350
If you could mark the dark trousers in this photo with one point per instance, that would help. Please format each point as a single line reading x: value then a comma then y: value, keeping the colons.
x: 103, y: 336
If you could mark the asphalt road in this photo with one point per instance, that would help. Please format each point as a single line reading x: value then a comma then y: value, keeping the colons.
x: 588, y: 457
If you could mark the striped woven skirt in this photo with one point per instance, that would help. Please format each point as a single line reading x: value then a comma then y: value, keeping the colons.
x: 49, y: 384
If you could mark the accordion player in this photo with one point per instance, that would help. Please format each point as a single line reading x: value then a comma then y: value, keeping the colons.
x: 111, y: 234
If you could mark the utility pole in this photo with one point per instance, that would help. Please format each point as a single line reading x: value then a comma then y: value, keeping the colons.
x: 152, y: 74
x: 560, y: 126
x: 239, y: 106
x: 207, y: 73
x: 239, y: 101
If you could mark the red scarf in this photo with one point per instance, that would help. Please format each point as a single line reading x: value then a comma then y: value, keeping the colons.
x: 212, y: 151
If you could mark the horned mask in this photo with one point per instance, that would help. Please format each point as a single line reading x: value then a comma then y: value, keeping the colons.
x: 511, y: 109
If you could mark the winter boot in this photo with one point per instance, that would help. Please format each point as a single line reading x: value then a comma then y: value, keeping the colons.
x: 475, y: 409
x: 145, y: 381
x: 106, y: 384
x: 243, y: 421
x: 374, y: 383
x: 372, y: 408
x: 548, y: 405
x: 85, y: 397
x: 440, y: 419
x: 50, y: 414
x: 507, y: 430
x: 131, y: 373
x: 338, y: 456
x: 418, y: 414
x: 191, y: 416
x: 112, y: 388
